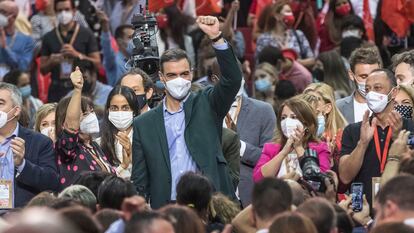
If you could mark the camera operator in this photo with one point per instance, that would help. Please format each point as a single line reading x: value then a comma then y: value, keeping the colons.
x: 365, y: 144
x: 296, y: 134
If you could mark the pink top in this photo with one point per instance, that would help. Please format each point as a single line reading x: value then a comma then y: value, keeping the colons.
x: 299, y: 76
x: 270, y: 150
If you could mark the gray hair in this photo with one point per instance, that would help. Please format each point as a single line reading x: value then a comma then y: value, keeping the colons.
x: 15, y: 94
x: 81, y: 194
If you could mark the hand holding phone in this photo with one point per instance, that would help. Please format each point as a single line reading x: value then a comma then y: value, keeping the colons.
x: 357, y: 192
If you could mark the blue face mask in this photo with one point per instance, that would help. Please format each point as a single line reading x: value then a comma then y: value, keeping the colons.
x: 321, y: 125
x: 26, y: 91
x: 263, y: 85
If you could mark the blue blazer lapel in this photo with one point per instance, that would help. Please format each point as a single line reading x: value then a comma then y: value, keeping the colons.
x: 160, y: 126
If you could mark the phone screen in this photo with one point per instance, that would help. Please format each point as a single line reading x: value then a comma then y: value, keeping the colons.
x: 410, y: 140
x: 357, y: 191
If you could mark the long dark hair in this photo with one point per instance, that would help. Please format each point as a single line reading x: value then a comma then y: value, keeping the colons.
x: 109, y: 130
x: 178, y: 24
x: 62, y: 108
x: 334, y: 22
x: 335, y: 73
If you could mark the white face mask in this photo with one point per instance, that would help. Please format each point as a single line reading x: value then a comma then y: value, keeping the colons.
x: 90, y: 124
x: 45, y: 131
x: 65, y: 17
x: 3, y: 117
x: 351, y: 33
x: 121, y: 119
x: 321, y: 125
x: 178, y: 87
x: 289, y: 125
x: 377, y: 102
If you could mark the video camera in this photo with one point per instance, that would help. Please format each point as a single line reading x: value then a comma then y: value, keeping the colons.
x: 145, y: 53
x: 309, y: 163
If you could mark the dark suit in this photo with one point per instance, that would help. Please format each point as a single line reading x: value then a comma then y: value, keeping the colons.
x: 204, y: 114
x: 255, y: 125
x: 40, y: 171
x: 231, y: 152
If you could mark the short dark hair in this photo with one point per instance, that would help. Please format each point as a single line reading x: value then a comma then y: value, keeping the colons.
x: 390, y: 75
x: 368, y: 55
x: 353, y: 21
x: 270, y: 197
x: 173, y: 55
x: 106, y: 217
x: 321, y: 212
x: 72, y: 3
x: 82, y: 219
x: 271, y: 55
x: 343, y: 220
x: 119, y: 31
x: 405, y: 57
x: 195, y: 190
x: 92, y: 180
x: 393, y: 227
x: 113, y: 191
x: 140, y: 222
x: 400, y: 190
x: 13, y: 76
x: 146, y: 80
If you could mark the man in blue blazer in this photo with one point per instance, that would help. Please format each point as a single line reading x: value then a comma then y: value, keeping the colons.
x: 184, y: 132
x: 27, y: 159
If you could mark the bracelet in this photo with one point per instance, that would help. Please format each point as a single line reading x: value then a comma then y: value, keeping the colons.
x: 368, y: 224
x: 393, y: 158
x: 217, y: 38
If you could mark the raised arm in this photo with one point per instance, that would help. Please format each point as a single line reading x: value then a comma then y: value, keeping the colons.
x: 350, y: 164
x: 72, y: 118
x: 222, y: 95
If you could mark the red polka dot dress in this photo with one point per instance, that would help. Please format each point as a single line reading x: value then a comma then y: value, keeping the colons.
x: 74, y: 157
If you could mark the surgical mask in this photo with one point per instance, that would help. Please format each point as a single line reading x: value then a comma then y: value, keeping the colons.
x: 26, y: 91
x: 406, y: 111
x: 289, y: 20
x: 361, y: 88
x: 351, y: 33
x: 121, y: 119
x: 141, y: 100
x: 321, y: 125
x: 90, y: 124
x: 377, y: 102
x: 343, y: 10
x: 289, y: 125
x: 263, y: 85
x: 3, y: 117
x: 45, y: 131
x: 4, y: 21
x: 178, y: 87
x: 65, y: 17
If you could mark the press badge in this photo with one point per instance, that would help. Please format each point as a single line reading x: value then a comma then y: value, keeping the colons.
x: 6, y: 192
x: 65, y: 69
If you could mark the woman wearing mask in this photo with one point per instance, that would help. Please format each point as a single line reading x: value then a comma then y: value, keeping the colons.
x: 404, y: 102
x: 116, y: 140
x: 276, y: 27
x: 330, y: 69
x: 45, y: 120
x: 331, y: 122
x: 295, y: 136
x: 76, y: 126
x: 22, y: 80
x: 330, y: 22
x: 266, y: 78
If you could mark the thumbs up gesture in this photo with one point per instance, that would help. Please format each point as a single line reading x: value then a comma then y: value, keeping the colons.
x: 77, y: 79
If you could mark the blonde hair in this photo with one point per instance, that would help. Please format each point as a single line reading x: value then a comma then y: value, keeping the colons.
x: 334, y: 120
x: 409, y: 90
x: 268, y: 68
x: 42, y: 112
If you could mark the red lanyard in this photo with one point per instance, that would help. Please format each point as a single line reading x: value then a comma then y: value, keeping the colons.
x: 382, y: 160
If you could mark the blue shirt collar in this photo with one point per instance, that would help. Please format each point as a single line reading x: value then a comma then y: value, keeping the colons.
x: 165, y: 110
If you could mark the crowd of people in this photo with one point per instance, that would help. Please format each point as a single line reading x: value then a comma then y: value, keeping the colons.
x: 290, y: 116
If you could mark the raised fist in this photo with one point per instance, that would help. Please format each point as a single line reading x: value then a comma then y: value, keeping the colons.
x: 209, y: 25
